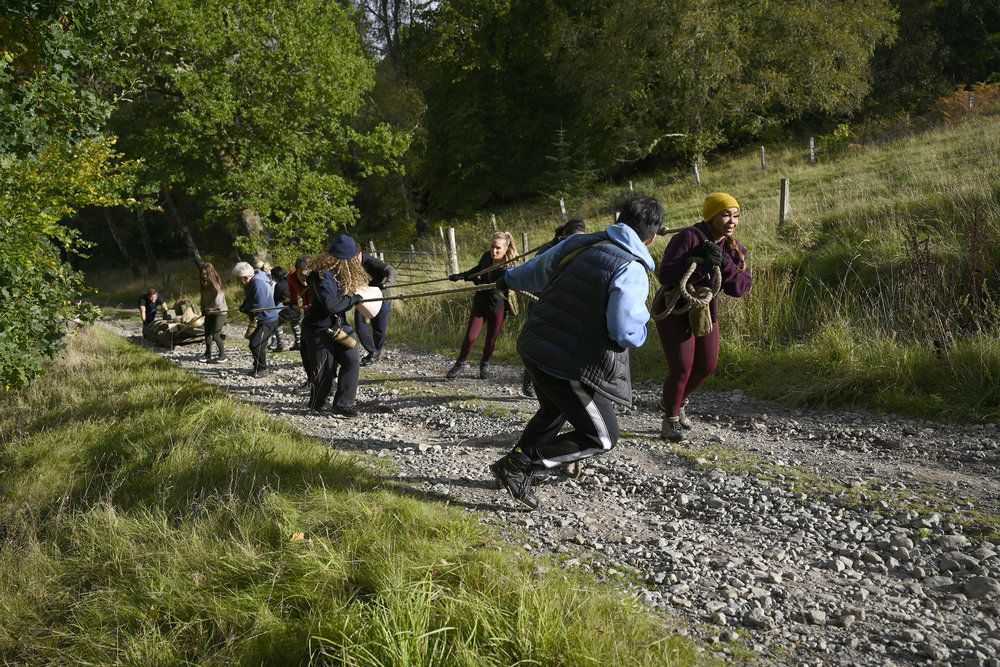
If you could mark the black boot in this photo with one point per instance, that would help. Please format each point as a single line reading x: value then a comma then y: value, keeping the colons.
x: 514, y: 473
x: 371, y: 358
x: 455, y: 370
x: 484, y: 370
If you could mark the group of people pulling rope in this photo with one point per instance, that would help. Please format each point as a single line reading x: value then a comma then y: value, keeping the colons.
x: 587, y: 308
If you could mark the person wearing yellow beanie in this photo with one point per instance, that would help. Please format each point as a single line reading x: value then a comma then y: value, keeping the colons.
x: 691, y: 359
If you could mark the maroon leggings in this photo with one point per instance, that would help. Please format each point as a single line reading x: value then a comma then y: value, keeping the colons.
x: 494, y: 324
x: 691, y: 359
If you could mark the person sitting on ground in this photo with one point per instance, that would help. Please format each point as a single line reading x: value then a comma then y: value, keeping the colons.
x: 575, y: 342
x: 573, y: 226
x: 334, y: 280
x: 148, y: 305
x: 258, y: 303
x: 282, y: 295
x: 692, y: 358
x: 488, y: 306
x: 373, y: 336
x: 214, y: 308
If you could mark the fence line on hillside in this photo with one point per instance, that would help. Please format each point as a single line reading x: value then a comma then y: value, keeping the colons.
x: 789, y: 194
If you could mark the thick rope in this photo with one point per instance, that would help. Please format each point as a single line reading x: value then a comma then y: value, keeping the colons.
x: 696, y: 297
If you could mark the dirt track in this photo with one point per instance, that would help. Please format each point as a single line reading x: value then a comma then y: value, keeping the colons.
x: 806, y: 536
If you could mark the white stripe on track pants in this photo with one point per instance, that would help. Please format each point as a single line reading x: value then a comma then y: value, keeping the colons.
x: 595, y: 425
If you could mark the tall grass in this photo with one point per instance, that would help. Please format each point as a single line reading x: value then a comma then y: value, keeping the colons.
x: 146, y: 518
x: 891, y: 253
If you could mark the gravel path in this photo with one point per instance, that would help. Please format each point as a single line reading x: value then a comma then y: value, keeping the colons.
x: 806, y: 537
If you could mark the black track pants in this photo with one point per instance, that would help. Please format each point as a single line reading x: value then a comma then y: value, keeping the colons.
x: 258, y: 343
x: 595, y: 425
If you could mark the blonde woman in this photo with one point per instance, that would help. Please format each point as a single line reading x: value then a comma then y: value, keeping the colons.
x: 334, y: 280
x: 489, y: 307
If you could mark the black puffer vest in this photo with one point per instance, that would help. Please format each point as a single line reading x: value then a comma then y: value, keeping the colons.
x: 566, y: 334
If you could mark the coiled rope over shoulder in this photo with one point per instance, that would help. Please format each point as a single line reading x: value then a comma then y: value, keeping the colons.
x: 698, y: 298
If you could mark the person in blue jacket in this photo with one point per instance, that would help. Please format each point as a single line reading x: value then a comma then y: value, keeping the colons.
x: 333, y: 281
x: 591, y: 310
x: 258, y: 303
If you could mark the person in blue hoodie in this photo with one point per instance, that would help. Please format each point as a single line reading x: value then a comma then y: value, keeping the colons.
x: 591, y: 310
x: 258, y: 303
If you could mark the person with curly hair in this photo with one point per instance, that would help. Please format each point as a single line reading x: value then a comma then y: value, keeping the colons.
x: 334, y: 280
x: 489, y: 307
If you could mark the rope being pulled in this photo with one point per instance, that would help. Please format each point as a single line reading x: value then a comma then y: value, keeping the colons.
x: 698, y: 300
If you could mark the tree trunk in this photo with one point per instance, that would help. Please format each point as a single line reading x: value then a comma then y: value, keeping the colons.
x: 185, y: 232
x: 255, y: 229
x: 151, y: 268
x: 122, y: 248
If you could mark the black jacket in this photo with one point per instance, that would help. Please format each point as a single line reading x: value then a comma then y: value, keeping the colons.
x: 487, y: 301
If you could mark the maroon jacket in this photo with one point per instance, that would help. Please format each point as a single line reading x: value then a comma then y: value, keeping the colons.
x: 677, y: 259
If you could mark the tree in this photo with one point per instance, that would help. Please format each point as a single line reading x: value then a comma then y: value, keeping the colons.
x: 248, y: 105
x: 57, y: 73
x: 711, y: 70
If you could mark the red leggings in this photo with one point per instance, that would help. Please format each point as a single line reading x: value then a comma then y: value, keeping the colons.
x: 494, y: 324
x: 691, y: 359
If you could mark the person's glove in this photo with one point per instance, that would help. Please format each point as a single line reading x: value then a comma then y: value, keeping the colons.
x: 501, y: 283
x: 455, y: 277
x: 356, y: 299
x: 713, y: 254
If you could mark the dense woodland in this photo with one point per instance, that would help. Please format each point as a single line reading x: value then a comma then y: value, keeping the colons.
x: 257, y: 127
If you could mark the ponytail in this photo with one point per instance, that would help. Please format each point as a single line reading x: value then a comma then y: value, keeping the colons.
x: 511, y: 248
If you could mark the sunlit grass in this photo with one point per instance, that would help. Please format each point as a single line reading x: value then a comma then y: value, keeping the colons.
x: 923, y: 318
x: 147, y: 518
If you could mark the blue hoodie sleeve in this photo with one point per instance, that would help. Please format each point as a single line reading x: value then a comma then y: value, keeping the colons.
x: 534, y: 275
x: 627, y: 314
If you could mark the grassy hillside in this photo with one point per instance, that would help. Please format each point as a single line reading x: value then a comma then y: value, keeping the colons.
x: 879, y: 291
x: 146, y: 518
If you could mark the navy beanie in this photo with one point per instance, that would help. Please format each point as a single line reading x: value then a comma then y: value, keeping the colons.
x: 343, y: 247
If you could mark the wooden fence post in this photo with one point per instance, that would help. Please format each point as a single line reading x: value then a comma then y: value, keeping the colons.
x: 631, y: 188
x: 452, y: 252
x: 371, y: 247
x: 524, y: 241
x: 697, y: 175
x: 763, y: 165
x: 493, y: 219
x: 562, y: 208
x: 972, y: 101
x: 812, y: 151
x: 783, y: 203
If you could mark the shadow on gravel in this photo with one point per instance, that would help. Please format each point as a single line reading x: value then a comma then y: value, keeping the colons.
x: 400, y: 486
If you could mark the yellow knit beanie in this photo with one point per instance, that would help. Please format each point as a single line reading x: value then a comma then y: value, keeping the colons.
x: 716, y: 203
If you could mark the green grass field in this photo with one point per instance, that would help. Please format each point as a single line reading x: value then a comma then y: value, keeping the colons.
x: 147, y: 518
